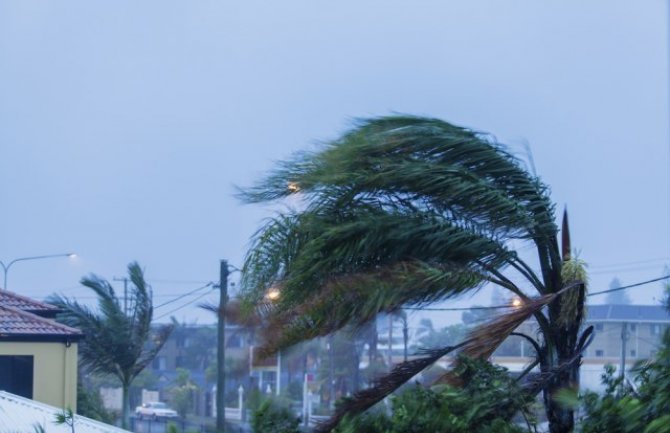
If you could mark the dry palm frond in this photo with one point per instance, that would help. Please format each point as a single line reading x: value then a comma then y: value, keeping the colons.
x: 539, y: 381
x: 485, y: 339
x: 384, y: 386
x: 357, y: 298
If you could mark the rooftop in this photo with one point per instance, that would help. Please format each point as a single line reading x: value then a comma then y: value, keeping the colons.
x: 21, y: 415
x: 10, y: 299
x: 623, y: 312
x: 18, y: 325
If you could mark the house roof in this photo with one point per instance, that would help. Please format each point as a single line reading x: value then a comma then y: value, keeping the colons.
x: 10, y: 299
x: 631, y: 313
x: 18, y: 325
x: 21, y: 415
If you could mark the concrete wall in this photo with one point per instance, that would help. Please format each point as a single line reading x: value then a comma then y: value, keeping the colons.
x: 54, y: 371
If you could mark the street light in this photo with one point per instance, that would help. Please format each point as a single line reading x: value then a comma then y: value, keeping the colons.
x: 6, y: 267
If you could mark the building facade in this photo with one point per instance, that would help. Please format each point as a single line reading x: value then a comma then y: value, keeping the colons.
x: 38, y: 356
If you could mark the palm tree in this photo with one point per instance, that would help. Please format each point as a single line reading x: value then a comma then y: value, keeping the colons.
x: 407, y: 211
x: 119, y: 343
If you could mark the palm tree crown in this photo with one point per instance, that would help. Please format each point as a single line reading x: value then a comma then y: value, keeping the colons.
x: 119, y: 343
x: 403, y: 211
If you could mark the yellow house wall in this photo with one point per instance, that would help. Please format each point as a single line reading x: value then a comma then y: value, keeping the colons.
x: 55, y: 370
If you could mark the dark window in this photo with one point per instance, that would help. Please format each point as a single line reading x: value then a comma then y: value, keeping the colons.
x: 632, y: 327
x: 599, y: 326
x: 633, y: 353
x: 599, y: 353
x: 16, y: 375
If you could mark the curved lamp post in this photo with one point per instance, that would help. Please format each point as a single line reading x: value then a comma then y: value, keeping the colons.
x: 5, y: 267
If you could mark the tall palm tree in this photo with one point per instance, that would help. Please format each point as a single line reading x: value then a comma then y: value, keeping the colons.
x: 407, y: 211
x: 119, y: 343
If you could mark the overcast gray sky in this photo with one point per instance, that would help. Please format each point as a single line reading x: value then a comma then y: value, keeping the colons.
x: 124, y: 125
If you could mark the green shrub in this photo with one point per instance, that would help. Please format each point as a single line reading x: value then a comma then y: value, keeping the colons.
x: 272, y: 417
x: 485, y: 404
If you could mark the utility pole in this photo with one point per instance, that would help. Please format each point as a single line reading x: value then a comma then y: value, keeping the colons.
x: 221, y: 350
x: 624, y: 338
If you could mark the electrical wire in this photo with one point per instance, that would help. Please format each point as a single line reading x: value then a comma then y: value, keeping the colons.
x: 184, y: 295
x: 616, y: 289
x: 496, y: 307
x: 184, y: 305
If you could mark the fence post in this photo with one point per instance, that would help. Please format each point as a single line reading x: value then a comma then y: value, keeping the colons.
x: 240, y: 402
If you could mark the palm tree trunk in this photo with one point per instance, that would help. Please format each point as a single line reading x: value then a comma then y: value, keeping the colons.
x: 125, y: 407
x: 562, y: 351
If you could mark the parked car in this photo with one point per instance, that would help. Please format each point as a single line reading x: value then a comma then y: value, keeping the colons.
x: 155, y: 410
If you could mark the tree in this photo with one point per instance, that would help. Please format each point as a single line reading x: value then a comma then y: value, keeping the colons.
x: 619, y: 296
x: 119, y: 343
x: 624, y: 408
x: 406, y: 211
x: 182, y: 392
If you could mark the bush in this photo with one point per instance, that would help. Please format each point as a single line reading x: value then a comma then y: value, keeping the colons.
x: 271, y: 417
x: 486, y: 403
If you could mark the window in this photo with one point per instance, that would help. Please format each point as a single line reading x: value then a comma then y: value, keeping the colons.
x: 633, y: 353
x: 159, y: 363
x: 599, y: 353
x: 655, y: 329
x: 632, y: 327
x: 599, y: 326
x: 269, y: 381
x: 16, y: 375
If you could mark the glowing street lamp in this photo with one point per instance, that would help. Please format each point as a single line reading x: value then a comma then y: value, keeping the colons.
x: 6, y: 267
x: 273, y: 294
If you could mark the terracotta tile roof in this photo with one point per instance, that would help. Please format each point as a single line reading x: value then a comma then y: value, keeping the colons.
x: 18, y: 325
x: 9, y: 299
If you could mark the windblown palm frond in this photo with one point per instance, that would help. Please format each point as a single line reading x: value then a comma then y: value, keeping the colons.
x: 402, y: 211
x: 384, y: 386
x: 117, y: 342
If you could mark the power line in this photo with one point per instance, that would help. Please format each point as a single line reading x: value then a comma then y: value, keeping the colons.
x: 638, y: 262
x: 665, y: 277
x: 496, y: 307
x: 185, y: 305
x: 183, y: 296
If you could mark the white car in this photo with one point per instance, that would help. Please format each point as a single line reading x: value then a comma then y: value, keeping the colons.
x: 155, y: 410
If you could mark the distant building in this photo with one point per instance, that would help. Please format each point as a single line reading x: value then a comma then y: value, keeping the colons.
x: 38, y: 356
x: 193, y: 347
x: 627, y: 333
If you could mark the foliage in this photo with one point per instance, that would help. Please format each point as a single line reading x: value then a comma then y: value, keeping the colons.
x: 619, y: 296
x: 66, y: 417
x: 201, y: 350
x: 118, y: 342
x: 89, y: 404
x: 182, y: 392
x: 406, y: 211
x: 172, y: 427
x: 452, y: 334
x: 484, y: 405
x: 271, y: 417
x: 624, y: 409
